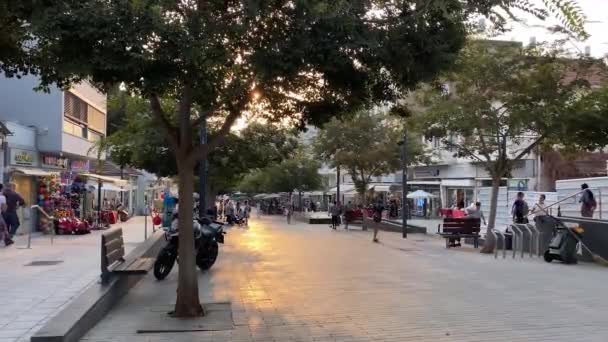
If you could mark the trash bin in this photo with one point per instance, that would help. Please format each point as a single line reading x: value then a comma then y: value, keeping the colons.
x: 509, y: 241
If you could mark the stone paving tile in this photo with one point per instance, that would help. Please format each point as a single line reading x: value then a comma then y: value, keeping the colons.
x: 308, y: 283
x: 33, y: 294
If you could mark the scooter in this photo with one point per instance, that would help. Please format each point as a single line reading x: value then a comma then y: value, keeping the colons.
x: 207, y: 235
x: 563, y: 245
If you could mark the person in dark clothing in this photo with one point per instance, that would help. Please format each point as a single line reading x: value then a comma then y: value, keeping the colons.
x: 335, y: 212
x: 520, y: 209
x: 13, y: 201
x: 377, y: 216
x: 588, y: 203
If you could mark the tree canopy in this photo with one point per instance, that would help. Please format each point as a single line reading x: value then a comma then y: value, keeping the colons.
x: 366, y: 146
x: 500, y: 102
x: 300, y: 173
x: 136, y: 141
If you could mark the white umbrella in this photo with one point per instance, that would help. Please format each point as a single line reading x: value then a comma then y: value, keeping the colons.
x: 420, y: 194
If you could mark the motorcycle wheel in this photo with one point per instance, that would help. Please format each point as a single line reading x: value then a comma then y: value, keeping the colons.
x: 206, y: 257
x: 163, y: 264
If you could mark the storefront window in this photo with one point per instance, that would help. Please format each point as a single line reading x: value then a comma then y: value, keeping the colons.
x: 460, y: 198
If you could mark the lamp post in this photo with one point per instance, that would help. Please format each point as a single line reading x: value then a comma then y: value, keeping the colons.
x: 202, y: 210
x: 403, y: 144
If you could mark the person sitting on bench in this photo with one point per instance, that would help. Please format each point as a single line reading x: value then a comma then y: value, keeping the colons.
x: 474, y: 211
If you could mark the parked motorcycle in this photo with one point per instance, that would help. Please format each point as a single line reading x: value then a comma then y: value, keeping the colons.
x: 207, y: 235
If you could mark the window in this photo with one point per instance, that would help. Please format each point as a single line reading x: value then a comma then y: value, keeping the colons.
x: 81, y: 119
x: 74, y: 128
x: 94, y: 136
x: 74, y: 107
x: 97, y: 119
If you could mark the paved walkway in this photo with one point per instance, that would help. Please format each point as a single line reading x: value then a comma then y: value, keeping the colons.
x: 30, y: 295
x: 306, y: 283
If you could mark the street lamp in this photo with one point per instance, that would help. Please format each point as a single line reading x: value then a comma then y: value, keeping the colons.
x: 403, y: 144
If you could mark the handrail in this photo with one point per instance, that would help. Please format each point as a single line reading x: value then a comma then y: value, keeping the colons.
x: 560, y: 201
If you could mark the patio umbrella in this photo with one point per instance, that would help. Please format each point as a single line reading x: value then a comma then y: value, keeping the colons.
x: 420, y: 194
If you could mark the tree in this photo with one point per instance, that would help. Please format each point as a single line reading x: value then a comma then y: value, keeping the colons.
x: 299, y: 173
x: 366, y: 145
x: 135, y: 141
x: 213, y: 60
x: 502, y: 104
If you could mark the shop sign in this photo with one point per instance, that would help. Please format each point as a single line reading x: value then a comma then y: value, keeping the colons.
x: 80, y: 165
x: 23, y: 157
x: 54, y: 162
x: 426, y: 173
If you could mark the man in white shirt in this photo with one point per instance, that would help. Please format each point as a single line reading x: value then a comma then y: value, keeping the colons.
x: 474, y: 211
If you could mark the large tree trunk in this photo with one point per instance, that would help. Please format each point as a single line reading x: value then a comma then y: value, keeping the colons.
x: 187, y: 303
x: 490, y: 242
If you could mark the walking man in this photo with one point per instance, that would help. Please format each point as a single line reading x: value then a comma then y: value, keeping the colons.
x: 246, y: 213
x: 588, y: 203
x: 347, y: 211
x: 335, y: 211
x: 13, y: 201
x: 377, y: 216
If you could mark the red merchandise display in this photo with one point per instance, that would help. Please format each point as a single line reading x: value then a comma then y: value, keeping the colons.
x: 59, y: 203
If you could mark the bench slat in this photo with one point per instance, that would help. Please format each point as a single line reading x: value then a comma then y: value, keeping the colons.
x: 112, y: 234
x: 140, y: 265
x: 114, y: 244
x: 115, y: 255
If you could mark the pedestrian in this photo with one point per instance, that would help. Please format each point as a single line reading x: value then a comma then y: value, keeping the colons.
x: 425, y: 206
x: 246, y: 212
x: 347, y: 214
x: 474, y: 211
x: 519, y: 210
x: 588, y: 203
x: 13, y: 202
x: 377, y: 216
x: 335, y: 212
x: 230, y: 212
x: 288, y: 213
x: 539, y: 207
x: 4, y: 234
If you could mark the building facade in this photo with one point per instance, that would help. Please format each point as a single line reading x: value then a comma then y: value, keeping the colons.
x: 51, y: 145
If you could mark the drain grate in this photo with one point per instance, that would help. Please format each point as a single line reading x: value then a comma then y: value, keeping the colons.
x: 44, y: 263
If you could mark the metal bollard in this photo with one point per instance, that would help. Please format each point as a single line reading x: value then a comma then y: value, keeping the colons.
x: 525, y: 226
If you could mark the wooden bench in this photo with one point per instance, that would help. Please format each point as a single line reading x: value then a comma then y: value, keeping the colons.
x: 114, y: 261
x: 455, y: 228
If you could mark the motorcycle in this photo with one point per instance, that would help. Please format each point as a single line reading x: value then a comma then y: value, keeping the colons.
x: 207, y: 235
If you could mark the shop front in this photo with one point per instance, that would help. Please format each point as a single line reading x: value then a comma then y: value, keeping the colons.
x: 25, y: 172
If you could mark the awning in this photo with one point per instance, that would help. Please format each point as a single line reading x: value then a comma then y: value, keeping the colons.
x: 34, y: 171
x: 343, y: 188
x: 381, y: 187
x: 110, y: 187
x: 114, y: 180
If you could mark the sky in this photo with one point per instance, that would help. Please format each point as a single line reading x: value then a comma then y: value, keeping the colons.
x: 597, y: 26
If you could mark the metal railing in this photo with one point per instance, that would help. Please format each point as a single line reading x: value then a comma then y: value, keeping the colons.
x: 49, y: 217
x: 518, y: 235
